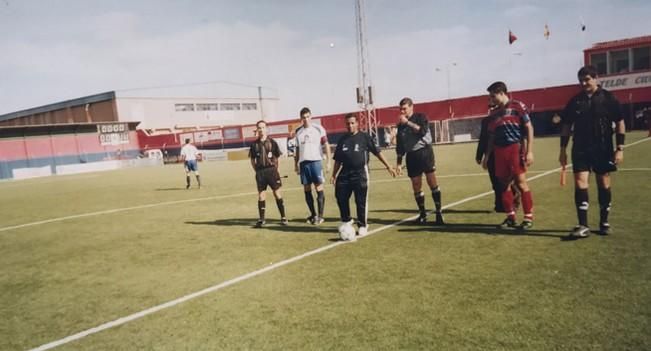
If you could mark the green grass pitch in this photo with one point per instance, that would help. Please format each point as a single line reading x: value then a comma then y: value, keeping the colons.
x: 79, y: 251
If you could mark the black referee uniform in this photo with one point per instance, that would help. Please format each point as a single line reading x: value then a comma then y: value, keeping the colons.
x: 264, y: 158
x: 592, y: 119
x: 417, y: 145
x: 353, y: 153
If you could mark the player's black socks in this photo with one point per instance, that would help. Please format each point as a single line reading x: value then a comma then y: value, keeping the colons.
x: 187, y: 181
x: 581, y: 202
x: 436, y: 195
x: 261, y: 208
x: 281, y: 207
x: 309, y: 199
x: 198, y: 180
x: 420, y: 201
x: 320, y: 200
x: 604, y: 204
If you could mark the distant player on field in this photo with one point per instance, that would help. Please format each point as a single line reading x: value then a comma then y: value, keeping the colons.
x: 350, y: 173
x: 311, y: 140
x: 415, y: 140
x: 189, y: 156
x: 513, y: 151
x: 591, y: 114
x: 264, y: 153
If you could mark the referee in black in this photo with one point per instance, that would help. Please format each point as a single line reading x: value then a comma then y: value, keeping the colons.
x: 264, y: 153
x: 415, y: 140
x: 350, y: 173
x: 591, y: 116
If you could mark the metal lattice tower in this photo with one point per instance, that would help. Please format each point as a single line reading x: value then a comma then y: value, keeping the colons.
x: 368, y: 118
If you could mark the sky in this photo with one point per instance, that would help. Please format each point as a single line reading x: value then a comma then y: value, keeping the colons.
x: 54, y: 50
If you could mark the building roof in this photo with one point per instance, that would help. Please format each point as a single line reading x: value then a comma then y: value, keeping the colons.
x: 60, y: 105
x: 621, y: 43
x: 45, y: 129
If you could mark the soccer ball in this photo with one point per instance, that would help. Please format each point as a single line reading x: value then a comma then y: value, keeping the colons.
x: 347, y: 231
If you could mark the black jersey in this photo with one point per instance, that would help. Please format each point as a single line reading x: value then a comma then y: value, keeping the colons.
x: 592, y: 119
x: 353, y: 152
x: 264, y: 153
x: 407, y: 139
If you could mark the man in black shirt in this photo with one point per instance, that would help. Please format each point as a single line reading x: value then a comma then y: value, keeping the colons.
x: 264, y: 153
x: 350, y: 174
x: 591, y: 115
x: 415, y: 140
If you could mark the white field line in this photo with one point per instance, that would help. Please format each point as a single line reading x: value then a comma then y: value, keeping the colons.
x: 165, y: 203
x: 175, y: 202
x: 244, y: 277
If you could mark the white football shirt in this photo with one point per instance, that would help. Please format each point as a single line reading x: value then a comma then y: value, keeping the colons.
x: 310, y: 142
x: 189, y: 152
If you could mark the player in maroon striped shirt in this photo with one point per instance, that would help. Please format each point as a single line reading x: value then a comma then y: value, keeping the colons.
x: 511, y: 141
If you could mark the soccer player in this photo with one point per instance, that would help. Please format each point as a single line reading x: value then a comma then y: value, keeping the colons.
x: 415, y: 140
x: 479, y: 155
x: 311, y: 140
x: 350, y: 172
x: 189, y: 156
x: 592, y: 114
x: 513, y: 151
x: 264, y: 153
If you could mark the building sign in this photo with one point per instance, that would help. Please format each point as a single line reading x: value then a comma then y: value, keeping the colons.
x: 626, y: 81
x: 232, y: 133
x: 206, y: 136
x: 113, y: 133
x: 278, y: 129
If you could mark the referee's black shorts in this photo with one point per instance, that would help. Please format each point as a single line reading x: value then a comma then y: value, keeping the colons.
x: 591, y: 160
x: 267, y: 177
x: 420, y: 161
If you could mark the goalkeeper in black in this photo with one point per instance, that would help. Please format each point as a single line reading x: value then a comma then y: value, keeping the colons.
x: 414, y: 140
x: 350, y: 173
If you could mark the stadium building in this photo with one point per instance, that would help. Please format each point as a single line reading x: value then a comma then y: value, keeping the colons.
x: 111, y: 126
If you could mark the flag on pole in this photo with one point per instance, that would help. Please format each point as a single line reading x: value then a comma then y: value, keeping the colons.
x: 547, y: 31
x: 512, y: 37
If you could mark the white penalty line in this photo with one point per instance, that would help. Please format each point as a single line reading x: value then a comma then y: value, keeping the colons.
x: 244, y: 277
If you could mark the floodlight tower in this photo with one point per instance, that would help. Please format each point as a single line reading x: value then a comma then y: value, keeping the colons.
x: 368, y: 118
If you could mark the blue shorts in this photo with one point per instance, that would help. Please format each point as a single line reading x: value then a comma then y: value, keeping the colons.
x: 311, y: 172
x: 191, y: 166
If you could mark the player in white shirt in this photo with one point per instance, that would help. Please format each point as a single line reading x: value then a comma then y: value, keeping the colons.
x: 311, y: 140
x: 189, y: 156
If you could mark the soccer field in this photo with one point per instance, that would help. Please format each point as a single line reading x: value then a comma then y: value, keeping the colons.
x: 130, y: 259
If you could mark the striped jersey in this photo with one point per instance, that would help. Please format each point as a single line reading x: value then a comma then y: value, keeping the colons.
x: 507, y: 123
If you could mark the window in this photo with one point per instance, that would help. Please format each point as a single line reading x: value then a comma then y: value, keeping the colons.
x: 229, y: 107
x: 642, y: 58
x: 184, y: 107
x: 207, y: 107
x: 599, y: 61
x: 619, y: 61
x: 249, y: 106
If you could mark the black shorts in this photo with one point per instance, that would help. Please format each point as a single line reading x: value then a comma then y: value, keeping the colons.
x: 598, y: 161
x: 267, y: 177
x: 420, y: 161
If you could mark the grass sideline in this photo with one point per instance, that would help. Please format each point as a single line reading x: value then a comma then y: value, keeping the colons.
x: 466, y: 286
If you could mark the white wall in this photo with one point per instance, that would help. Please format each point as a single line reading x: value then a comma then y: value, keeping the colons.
x: 161, y: 112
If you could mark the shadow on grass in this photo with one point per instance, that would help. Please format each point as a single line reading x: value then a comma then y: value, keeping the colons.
x: 171, y: 189
x: 487, y: 229
x: 295, y: 225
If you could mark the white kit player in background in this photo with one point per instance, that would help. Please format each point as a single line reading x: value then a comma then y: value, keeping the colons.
x: 189, y: 156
